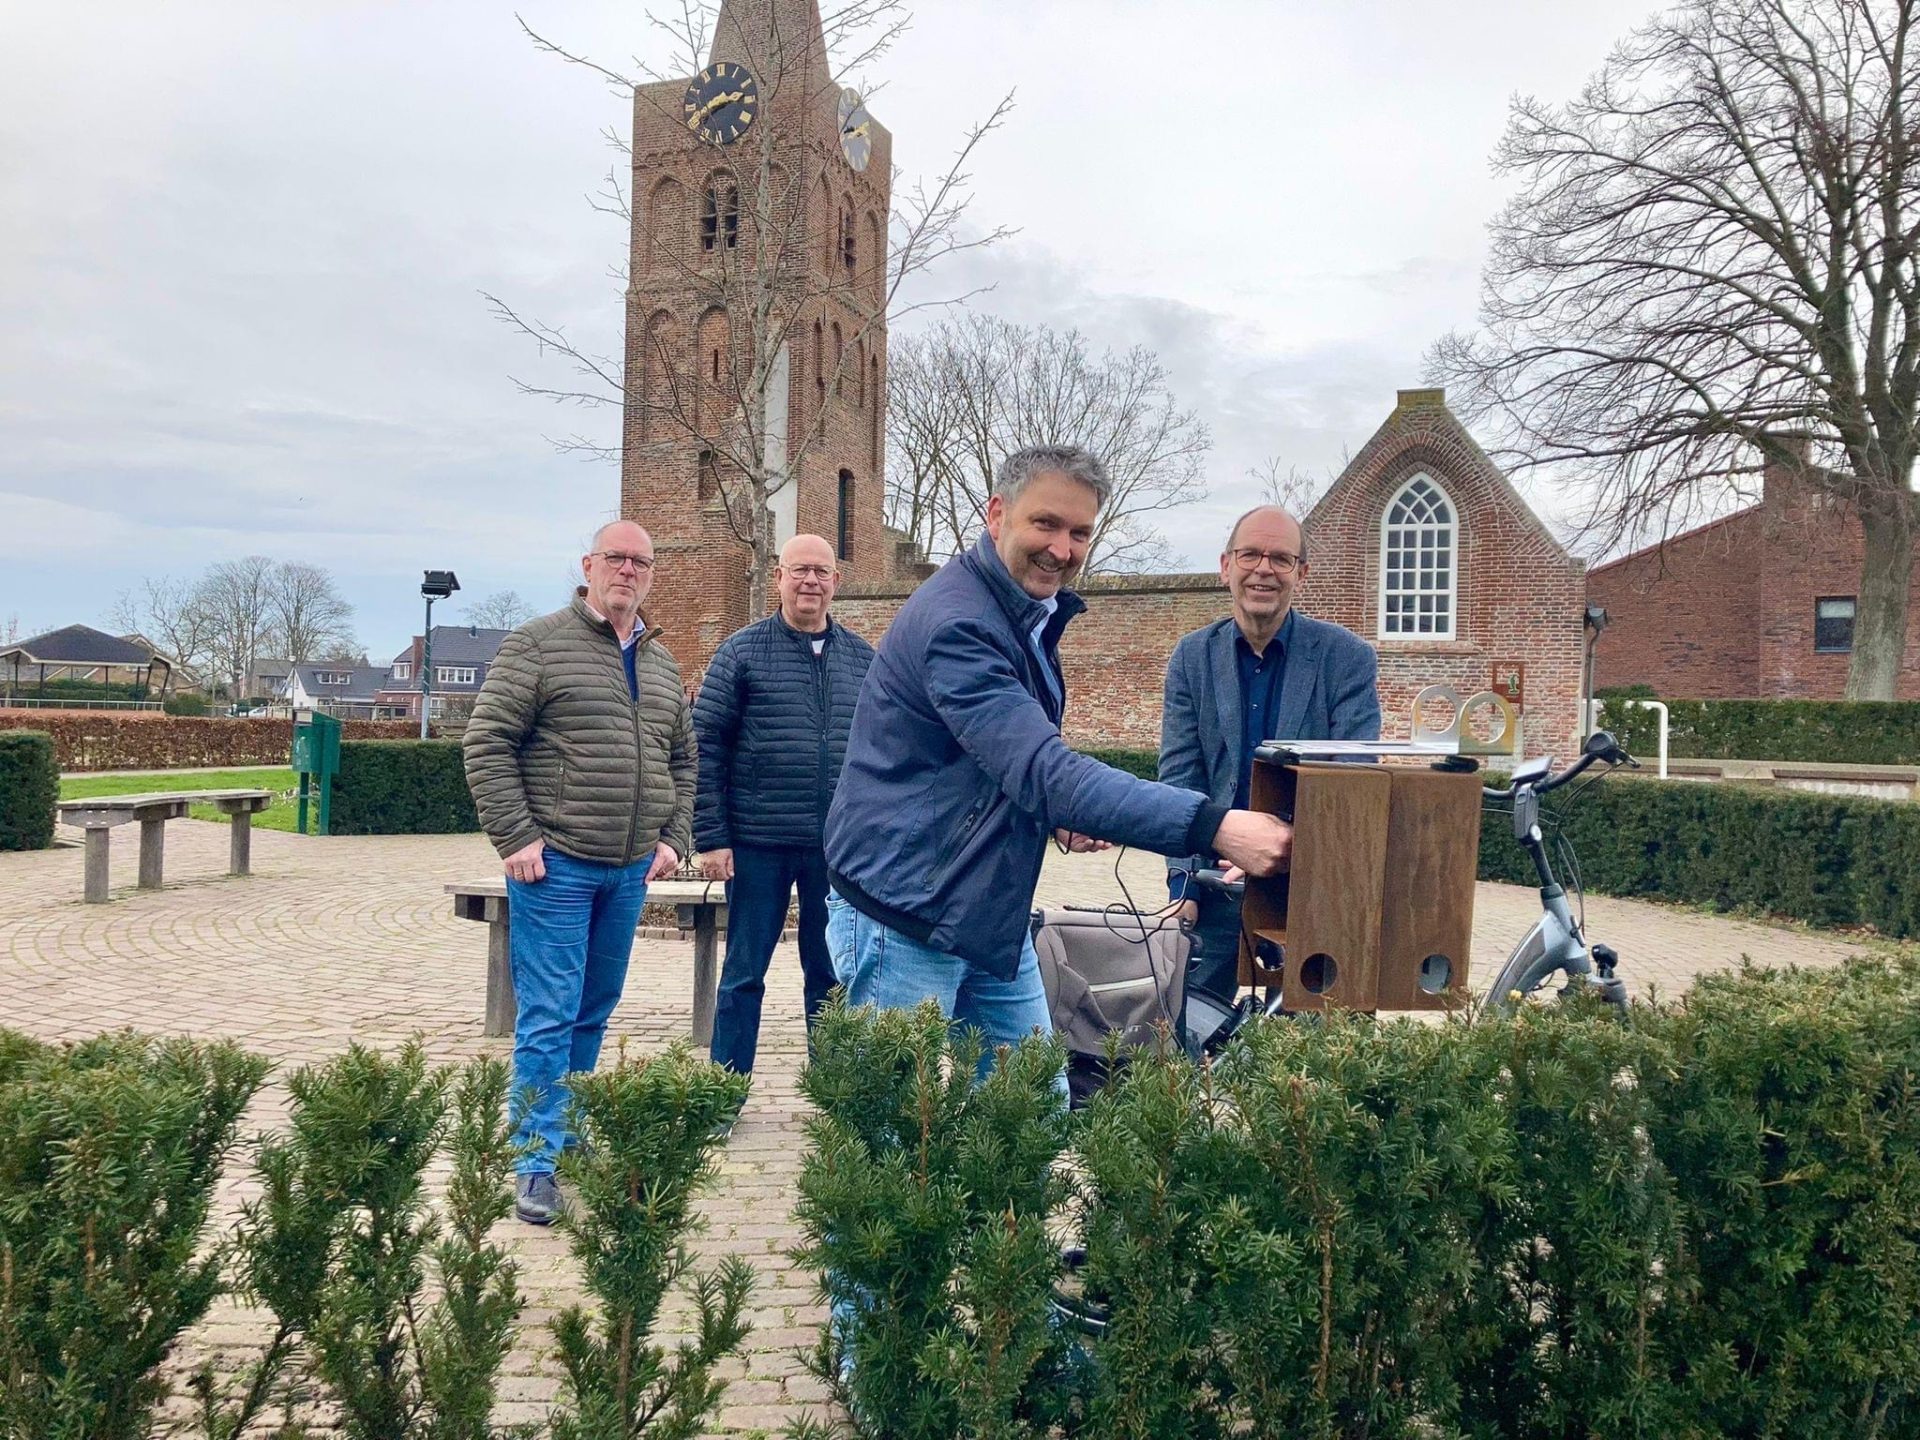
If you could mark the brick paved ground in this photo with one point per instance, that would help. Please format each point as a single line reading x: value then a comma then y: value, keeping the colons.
x: 338, y: 939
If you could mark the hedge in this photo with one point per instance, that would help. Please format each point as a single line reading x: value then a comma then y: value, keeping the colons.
x: 402, y: 787
x: 1826, y: 859
x: 29, y: 786
x: 149, y: 740
x: 1834, y: 732
x: 1703, y: 1221
x: 1144, y: 763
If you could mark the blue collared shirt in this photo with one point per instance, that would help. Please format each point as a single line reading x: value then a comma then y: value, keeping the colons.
x: 1262, y: 678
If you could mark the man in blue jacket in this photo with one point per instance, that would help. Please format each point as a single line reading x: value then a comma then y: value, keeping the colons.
x: 1265, y: 672
x: 771, y: 721
x: 956, y: 772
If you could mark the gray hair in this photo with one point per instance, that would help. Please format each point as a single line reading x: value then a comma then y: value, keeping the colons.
x: 1234, y: 533
x: 1021, y: 468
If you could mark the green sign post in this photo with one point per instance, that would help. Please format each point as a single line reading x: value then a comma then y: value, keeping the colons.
x: 316, y: 757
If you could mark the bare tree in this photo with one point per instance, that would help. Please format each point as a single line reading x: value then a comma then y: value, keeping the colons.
x: 10, y: 630
x: 171, y: 614
x: 756, y: 266
x: 235, y: 596
x: 1294, y: 490
x: 308, y: 617
x: 969, y: 391
x: 502, y: 610
x: 1711, y: 264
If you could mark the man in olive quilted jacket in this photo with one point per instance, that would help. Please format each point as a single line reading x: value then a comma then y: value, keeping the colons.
x: 580, y: 755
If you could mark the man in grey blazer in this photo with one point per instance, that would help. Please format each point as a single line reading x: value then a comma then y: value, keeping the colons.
x: 1264, y: 673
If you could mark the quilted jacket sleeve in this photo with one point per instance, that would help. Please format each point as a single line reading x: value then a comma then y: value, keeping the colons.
x: 684, y: 764
x: 503, y: 716
x: 716, y: 726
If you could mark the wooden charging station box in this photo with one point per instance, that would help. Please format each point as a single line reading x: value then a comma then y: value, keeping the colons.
x: 1375, y: 911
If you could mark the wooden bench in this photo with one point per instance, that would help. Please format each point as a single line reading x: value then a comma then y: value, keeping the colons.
x: 98, y: 817
x: 702, y: 908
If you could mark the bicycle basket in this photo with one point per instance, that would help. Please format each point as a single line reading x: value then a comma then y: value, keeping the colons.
x: 1108, y: 974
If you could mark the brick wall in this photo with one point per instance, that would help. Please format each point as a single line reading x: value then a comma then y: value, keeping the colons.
x: 1115, y: 656
x: 1520, y: 596
x: 1682, y: 621
x: 1726, y: 612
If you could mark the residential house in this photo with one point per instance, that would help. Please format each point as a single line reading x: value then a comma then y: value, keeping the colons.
x: 350, y: 692
x: 461, y: 656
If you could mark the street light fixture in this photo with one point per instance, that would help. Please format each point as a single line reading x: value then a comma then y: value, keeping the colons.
x: 437, y: 585
x: 1593, y: 620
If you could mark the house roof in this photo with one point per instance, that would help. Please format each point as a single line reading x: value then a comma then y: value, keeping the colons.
x: 81, y: 645
x: 366, y: 680
x: 460, y: 645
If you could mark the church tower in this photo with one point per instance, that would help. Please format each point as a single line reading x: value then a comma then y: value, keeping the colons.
x: 756, y: 327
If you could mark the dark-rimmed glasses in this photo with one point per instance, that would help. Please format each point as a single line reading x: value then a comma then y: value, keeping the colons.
x: 1249, y: 559
x: 620, y: 560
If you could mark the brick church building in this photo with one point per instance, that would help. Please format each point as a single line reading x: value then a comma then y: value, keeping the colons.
x: 761, y: 165
x: 1756, y: 605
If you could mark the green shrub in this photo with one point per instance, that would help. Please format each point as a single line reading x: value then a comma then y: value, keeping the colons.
x: 1856, y: 732
x: 402, y: 787
x: 1144, y: 763
x: 109, y: 1153
x: 186, y: 703
x: 924, y: 1200
x: 29, y: 787
x: 1825, y: 859
x: 402, y: 1317
x: 1789, y: 1119
x: 651, y: 1127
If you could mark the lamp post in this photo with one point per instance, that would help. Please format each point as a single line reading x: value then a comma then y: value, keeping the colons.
x: 1592, y: 621
x: 437, y: 585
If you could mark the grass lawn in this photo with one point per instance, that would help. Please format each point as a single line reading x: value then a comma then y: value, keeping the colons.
x: 277, y: 816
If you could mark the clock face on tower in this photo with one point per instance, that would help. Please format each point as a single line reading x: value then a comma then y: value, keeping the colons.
x: 720, y: 102
x: 855, y: 143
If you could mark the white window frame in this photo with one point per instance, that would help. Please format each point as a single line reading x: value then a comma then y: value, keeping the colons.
x: 333, y: 677
x: 403, y: 670
x: 456, y: 674
x: 1452, y: 532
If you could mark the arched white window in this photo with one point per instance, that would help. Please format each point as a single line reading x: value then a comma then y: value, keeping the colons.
x: 1419, y: 563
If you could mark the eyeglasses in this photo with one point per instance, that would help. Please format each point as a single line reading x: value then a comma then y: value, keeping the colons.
x: 809, y: 572
x: 620, y: 560
x: 1249, y: 560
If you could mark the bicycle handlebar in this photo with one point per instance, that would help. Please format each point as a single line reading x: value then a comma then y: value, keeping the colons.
x: 1600, y: 746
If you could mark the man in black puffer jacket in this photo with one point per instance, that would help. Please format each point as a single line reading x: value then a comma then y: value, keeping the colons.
x: 771, y: 720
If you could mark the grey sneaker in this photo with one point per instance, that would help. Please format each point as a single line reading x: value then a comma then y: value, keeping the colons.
x: 536, y: 1198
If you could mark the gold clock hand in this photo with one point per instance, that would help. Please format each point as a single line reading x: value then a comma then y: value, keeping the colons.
x: 698, y: 118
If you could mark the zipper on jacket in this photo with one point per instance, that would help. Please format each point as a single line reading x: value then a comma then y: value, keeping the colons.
x: 639, y: 743
x: 823, y: 687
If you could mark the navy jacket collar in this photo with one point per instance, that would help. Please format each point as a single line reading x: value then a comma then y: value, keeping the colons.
x: 803, y: 637
x: 1020, y: 607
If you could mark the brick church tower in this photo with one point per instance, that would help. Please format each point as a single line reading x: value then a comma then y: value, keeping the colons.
x: 756, y: 328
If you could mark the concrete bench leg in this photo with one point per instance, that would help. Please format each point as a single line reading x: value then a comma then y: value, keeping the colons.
x: 153, y: 840
x: 98, y: 838
x: 706, y: 975
x: 500, y: 1001
x: 240, y: 851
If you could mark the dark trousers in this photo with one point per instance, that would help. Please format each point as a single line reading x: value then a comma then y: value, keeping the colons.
x: 763, y: 878
x: 1216, y: 941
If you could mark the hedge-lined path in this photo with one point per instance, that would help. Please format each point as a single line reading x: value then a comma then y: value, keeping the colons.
x: 342, y: 939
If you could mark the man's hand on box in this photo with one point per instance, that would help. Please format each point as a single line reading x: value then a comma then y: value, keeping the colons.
x: 1256, y: 844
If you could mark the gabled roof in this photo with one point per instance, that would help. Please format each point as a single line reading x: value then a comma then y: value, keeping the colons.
x: 366, y: 680
x: 80, y: 645
x: 460, y: 645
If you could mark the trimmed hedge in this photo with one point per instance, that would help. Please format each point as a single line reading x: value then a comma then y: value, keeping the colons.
x: 29, y: 786
x: 1825, y: 859
x: 1835, y: 732
x: 149, y: 740
x: 402, y: 787
x: 1700, y: 1222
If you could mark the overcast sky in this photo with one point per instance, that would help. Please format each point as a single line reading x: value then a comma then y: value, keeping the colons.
x: 242, y: 247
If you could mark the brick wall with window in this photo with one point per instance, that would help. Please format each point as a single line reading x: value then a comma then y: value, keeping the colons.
x: 1757, y: 605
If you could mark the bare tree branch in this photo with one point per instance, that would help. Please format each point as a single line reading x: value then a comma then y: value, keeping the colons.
x: 1709, y: 266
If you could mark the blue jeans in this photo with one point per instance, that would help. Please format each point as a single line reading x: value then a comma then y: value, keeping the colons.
x: 1215, y: 967
x: 763, y: 878
x: 571, y: 935
x: 880, y: 966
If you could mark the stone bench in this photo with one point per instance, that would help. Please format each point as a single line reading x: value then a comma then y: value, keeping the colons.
x: 99, y: 816
x: 702, y: 908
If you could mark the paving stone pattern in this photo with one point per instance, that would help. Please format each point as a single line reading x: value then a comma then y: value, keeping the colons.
x: 333, y: 940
